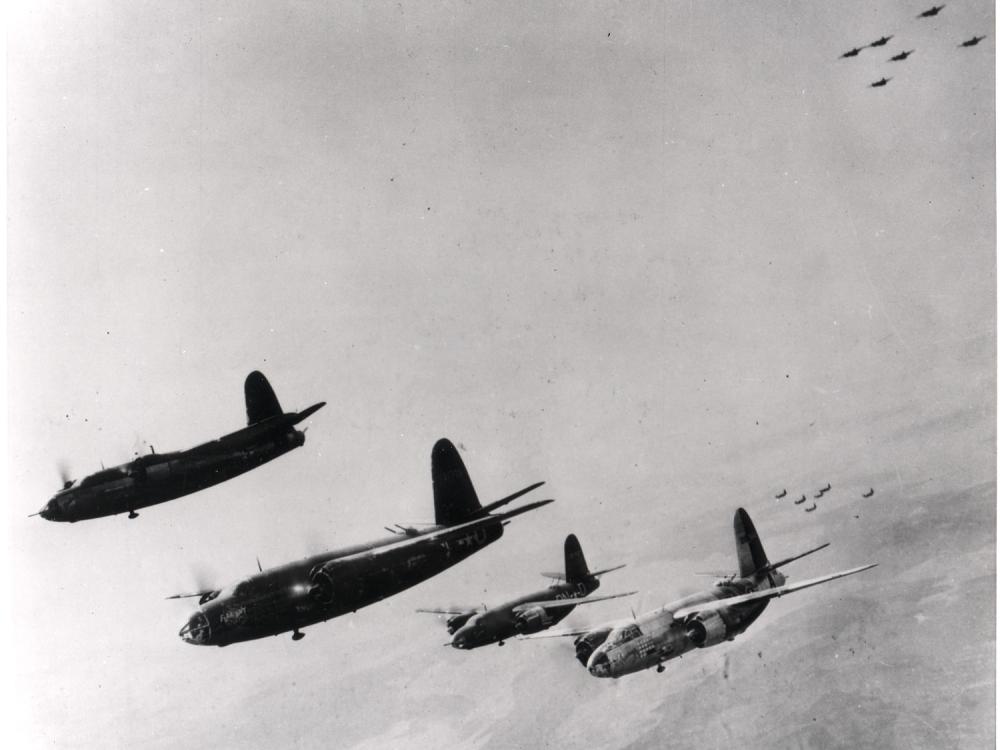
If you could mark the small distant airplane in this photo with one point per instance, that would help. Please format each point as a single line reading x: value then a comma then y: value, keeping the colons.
x: 810, y: 509
x: 825, y: 489
x: 871, y: 491
x: 531, y: 613
x: 781, y: 494
x: 701, y: 620
x: 800, y: 500
x: 159, y: 477
x: 902, y: 55
x: 931, y: 12
x: 331, y: 584
x: 881, y: 82
x: 972, y: 42
x: 852, y: 52
x: 881, y: 42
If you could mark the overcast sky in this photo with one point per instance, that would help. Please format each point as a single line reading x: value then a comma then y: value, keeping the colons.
x: 669, y: 257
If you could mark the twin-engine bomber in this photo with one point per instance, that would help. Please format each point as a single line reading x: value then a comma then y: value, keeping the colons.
x: 328, y: 585
x: 159, y: 477
x: 697, y: 621
x: 531, y: 613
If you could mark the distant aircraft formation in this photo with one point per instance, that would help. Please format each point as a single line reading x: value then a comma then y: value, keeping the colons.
x: 321, y: 587
x: 820, y: 492
x: 901, y: 56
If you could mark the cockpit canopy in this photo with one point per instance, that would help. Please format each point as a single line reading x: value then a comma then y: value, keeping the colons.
x: 624, y: 634
x: 105, y: 475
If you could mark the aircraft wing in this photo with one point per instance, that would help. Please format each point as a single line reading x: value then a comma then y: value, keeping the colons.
x: 470, y: 610
x: 718, y: 604
x: 196, y: 593
x: 571, y: 602
x: 411, y: 541
x: 555, y: 633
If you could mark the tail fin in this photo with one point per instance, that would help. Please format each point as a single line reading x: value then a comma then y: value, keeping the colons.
x: 262, y: 404
x: 749, y: 550
x: 576, y: 564
x: 454, y: 496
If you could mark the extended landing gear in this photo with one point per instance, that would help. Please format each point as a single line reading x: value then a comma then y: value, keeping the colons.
x: 660, y: 668
x: 499, y: 643
x: 133, y: 514
x: 297, y: 636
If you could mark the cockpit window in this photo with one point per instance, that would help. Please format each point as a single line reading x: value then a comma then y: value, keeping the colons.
x: 627, y: 633
x: 107, y: 475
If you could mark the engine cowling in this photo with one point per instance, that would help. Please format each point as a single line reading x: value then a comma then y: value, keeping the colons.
x: 589, y: 642
x: 705, y: 629
x: 532, y: 619
x: 456, y: 621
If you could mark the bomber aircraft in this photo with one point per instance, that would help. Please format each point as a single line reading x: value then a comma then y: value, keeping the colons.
x: 159, y: 477
x: 331, y: 584
x: 531, y: 613
x: 697, y: 621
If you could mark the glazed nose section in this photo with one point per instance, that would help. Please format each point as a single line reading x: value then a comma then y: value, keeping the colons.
x: 51, y: 511
x: 197, y: 630
x: 600, y: 665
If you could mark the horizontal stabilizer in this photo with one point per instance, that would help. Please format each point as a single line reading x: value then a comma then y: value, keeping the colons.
x: 572, y: 602
x: 510, y: 498
x: 718, y: 604
x: 774, y: 566
x: 308, y: 412
x: 447, y: 611
x: 597, y: 573
x: 562, y: 576
x: 522, y: 509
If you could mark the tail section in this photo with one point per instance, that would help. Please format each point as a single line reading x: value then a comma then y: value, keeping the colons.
x: 262, y: 404
x: 576, y: 564
x: 749, y: 550
x: 455, y: 498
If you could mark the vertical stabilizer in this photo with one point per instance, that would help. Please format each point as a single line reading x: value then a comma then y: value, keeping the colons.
x: 261, y: 402
x: 749, y: 550
x: 454, y: 496
x: 576, y: 564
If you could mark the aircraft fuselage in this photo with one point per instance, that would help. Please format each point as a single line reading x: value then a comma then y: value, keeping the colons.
x: 657, y: 637
x: 328, y: 585
x: 159, y: 477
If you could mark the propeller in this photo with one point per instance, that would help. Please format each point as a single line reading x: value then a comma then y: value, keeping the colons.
x: 64, y: 477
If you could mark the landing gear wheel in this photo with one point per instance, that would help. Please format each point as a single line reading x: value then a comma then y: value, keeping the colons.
x: 500, y: 643
x: 297, y: 636
x: 133, y: 514
x: 660, y: 668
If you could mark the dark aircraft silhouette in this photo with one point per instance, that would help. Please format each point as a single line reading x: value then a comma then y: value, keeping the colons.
x: 902, y: 55
x: 159, y: 477
x: 531, y: 613
x: 972, y: 42
x: 334, y: 583
x: 853, y: 52
x: 932, y: 12
x: 810, y: 509
x: 870, y: 492
x: 781, y: 494
x: 881, y: 82
x: 824, y: 490
x: 701, y: 620
x: 800, y: 500
x: 881, y: 42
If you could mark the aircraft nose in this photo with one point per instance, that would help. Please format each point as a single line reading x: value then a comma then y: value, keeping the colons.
x: 599, y: 665
x: 196, y: 630
x: 51, y: 511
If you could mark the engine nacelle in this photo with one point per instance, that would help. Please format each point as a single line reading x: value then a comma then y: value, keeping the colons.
x: 532, y: 619
x: 705, y: 629
x: 589, y: 642
x: 454, y: 622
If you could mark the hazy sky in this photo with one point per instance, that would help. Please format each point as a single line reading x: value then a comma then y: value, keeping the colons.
x: 669, y: 257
